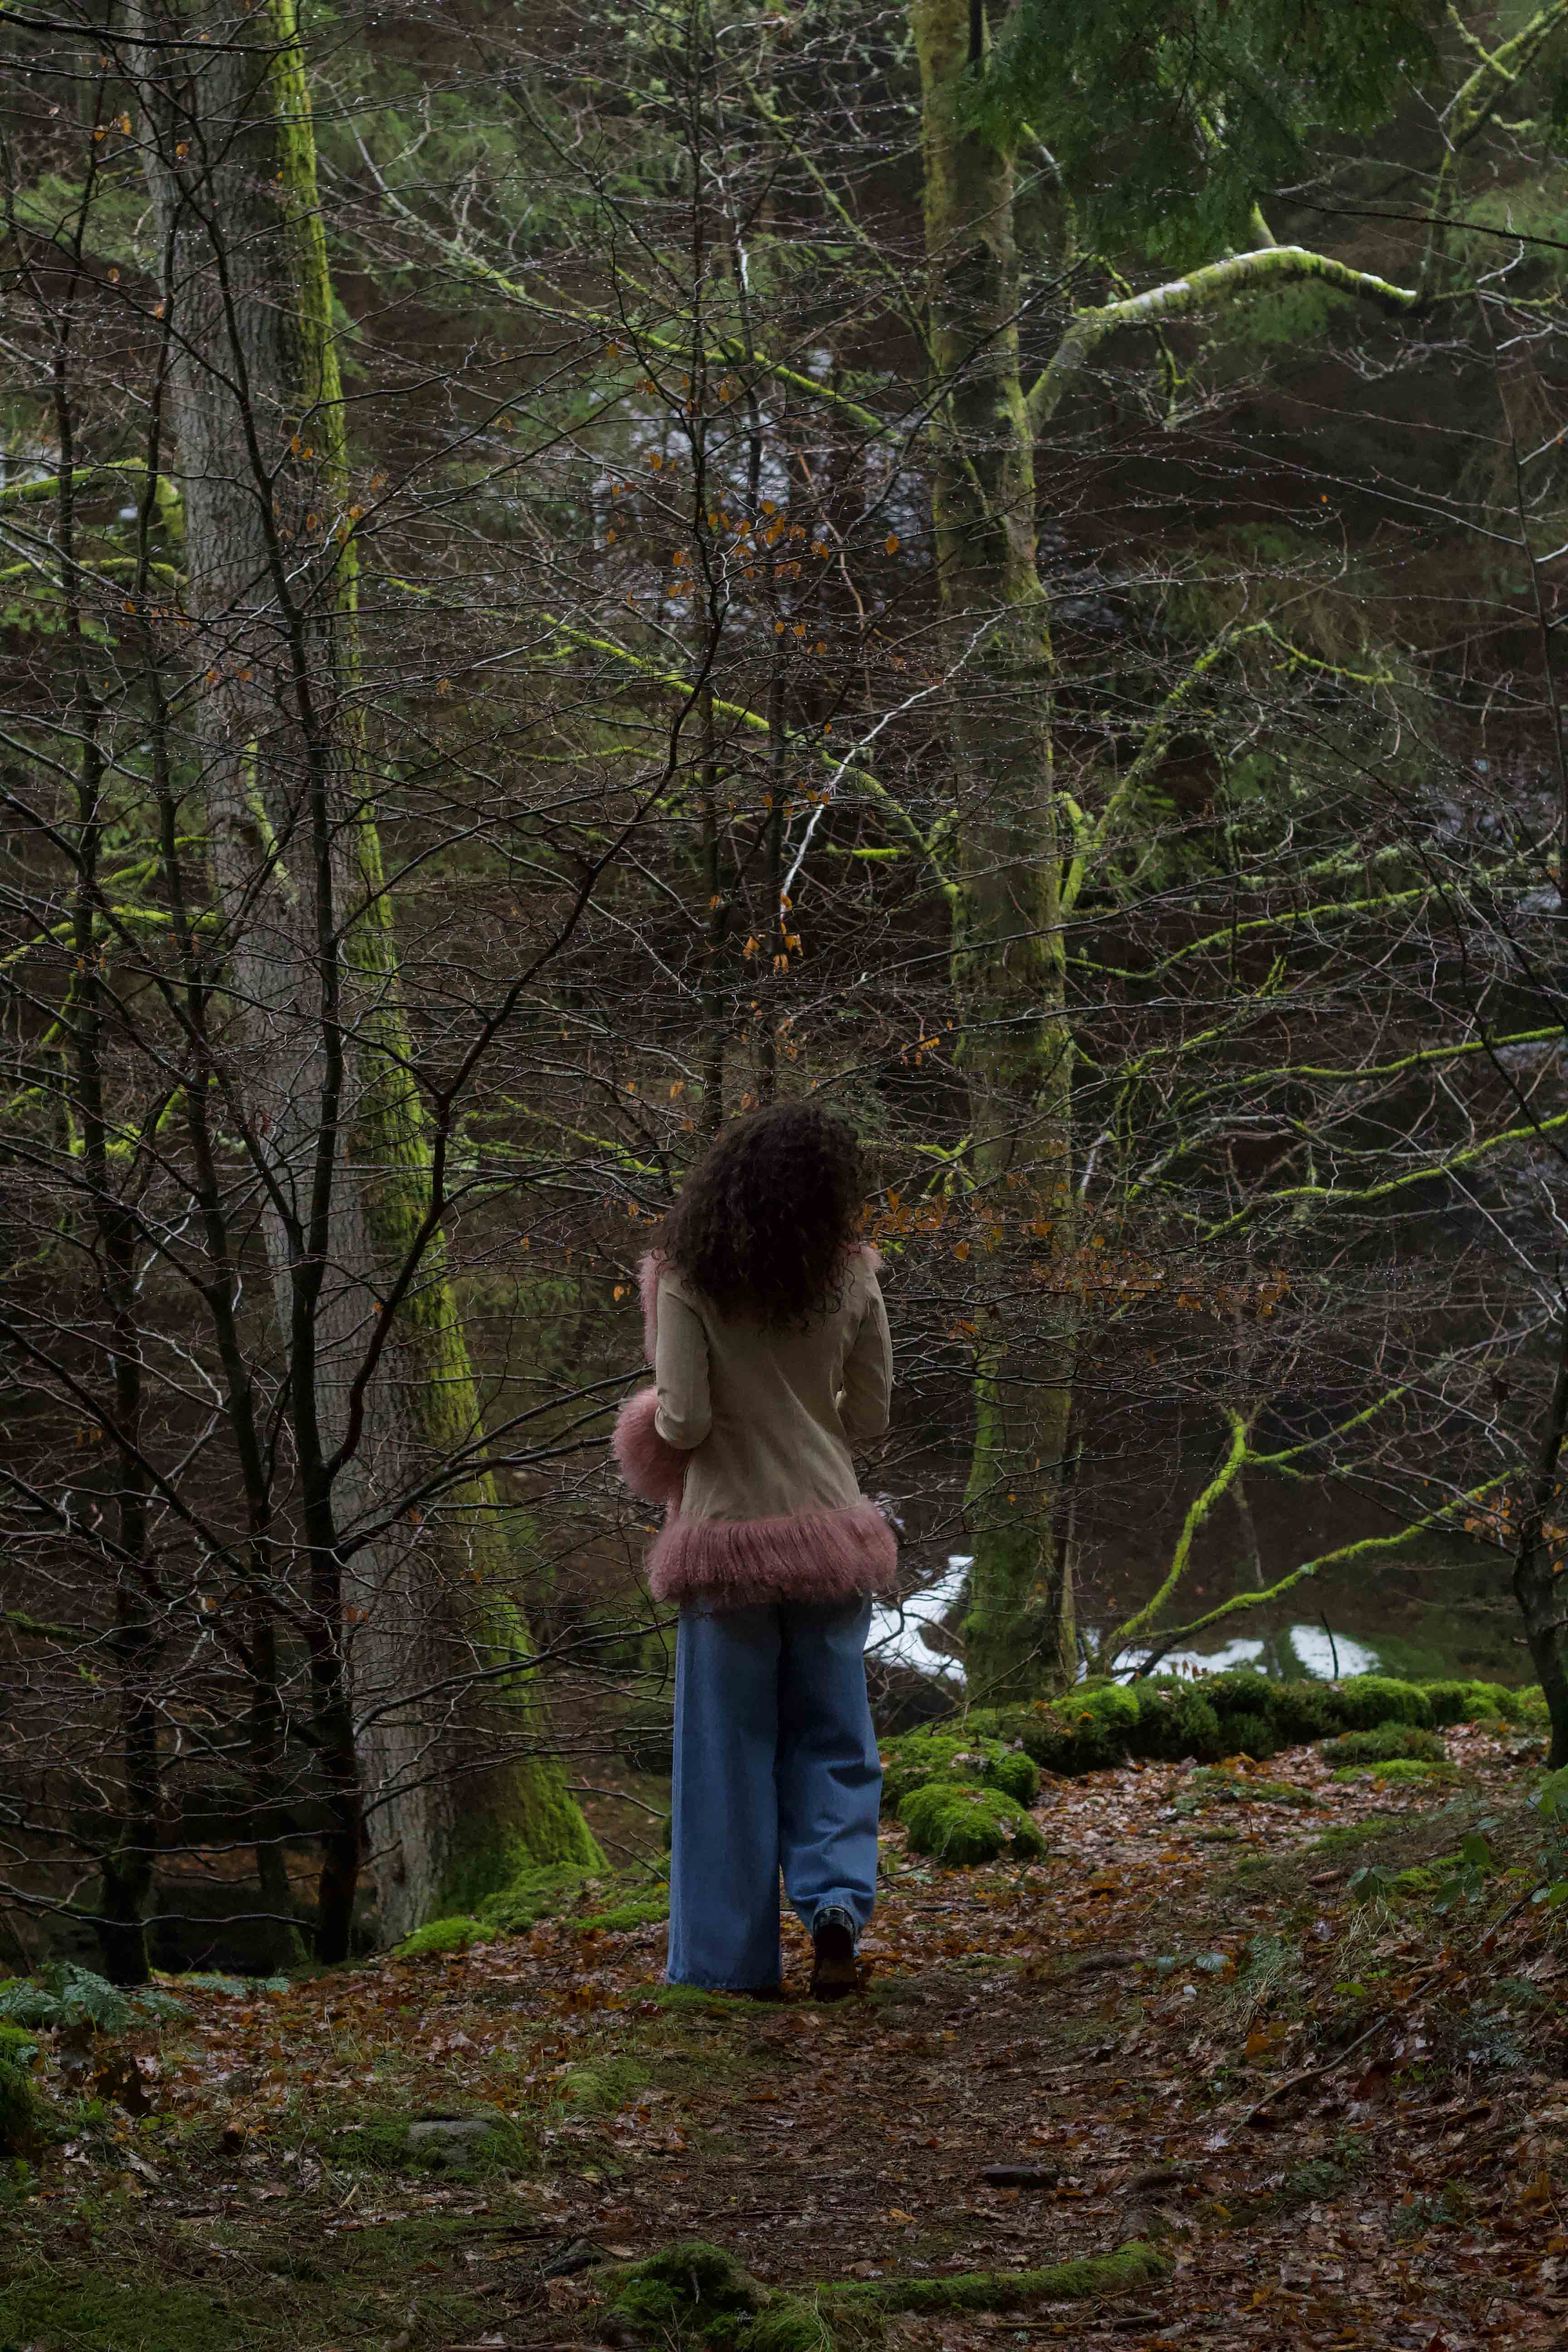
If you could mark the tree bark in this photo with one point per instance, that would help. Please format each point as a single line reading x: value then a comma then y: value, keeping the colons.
x: 128, y: 1854
x: 1008, y: 964
x: 1537, y: 1587
x: 316, y: 1050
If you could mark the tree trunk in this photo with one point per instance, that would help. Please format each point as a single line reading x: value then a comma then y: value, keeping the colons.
x: 1008, y: 962
x: 316, y: 1053
x: 128, y: 1857
x: 1537, y: 1589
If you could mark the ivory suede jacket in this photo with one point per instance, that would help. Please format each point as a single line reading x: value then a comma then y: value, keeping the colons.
x: 745, y: 1437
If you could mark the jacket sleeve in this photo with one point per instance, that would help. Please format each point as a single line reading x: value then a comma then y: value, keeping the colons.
x: 868, y: 1372
x: 685, y: 1413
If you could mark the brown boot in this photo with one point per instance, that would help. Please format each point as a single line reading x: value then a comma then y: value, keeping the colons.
x: 834, y: 1974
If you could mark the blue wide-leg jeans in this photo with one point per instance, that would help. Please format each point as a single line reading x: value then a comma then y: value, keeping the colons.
x: 775, y: 1762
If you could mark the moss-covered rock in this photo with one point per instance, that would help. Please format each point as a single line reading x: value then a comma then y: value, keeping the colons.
x: 1368, y: 1700
x: 1450, y: 1702
x: 1250, y: 1735
x: 486, y: 2143
x: 963, y: 1823
x: 1389, y: 1742
x: 1243, y: 1696
x: 1103, y: 1721
x: 1101, y: 1724
x: 445, y: 1936
x: 920, y: 1756
x: 1302, y: 1712
x: 1092, y: 1727
x: 689, y: 2288
x: 1176, y: 1720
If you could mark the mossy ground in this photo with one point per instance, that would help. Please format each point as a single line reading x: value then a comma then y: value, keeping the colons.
x: 1389, y: 1743
x: 1108, y: 2013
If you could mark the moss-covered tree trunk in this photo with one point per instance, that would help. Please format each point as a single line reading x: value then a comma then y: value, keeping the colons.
x: 1008, y: 965
x: 316, y: 1048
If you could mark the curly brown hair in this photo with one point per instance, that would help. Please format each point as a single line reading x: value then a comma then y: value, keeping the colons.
x: 767, y: 1217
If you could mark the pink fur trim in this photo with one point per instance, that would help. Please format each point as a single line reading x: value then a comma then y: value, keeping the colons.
x: 650, y: 1466
x: 809, y: 1555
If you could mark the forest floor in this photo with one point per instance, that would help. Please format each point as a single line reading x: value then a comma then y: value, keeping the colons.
x: 1343, y: 2123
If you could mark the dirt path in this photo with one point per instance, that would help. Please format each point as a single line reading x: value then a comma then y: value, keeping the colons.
x: 1114, y: 2025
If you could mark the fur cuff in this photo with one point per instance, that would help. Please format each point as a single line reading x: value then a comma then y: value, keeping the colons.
x: 743, y: 1563
x: 651, y: 1466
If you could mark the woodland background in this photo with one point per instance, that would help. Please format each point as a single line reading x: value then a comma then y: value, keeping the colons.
x: 567, y: 573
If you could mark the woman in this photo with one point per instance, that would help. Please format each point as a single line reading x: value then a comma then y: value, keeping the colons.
x: 769, y: 1341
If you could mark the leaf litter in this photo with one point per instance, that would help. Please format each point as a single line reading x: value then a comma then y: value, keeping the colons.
x: 1338, y: 2113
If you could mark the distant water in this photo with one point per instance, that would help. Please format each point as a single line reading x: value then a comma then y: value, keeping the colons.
x: 895, y: 1638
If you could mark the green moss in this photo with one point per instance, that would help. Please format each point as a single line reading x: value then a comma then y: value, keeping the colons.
x: 1347, y: 1837
x: 384, y: 2146
x: 1490, y: 1703
x: 1386, y: 1745
x: 695, y: 2292
x: 1450, y: 1702
x: 621, y: 1918
x: 445, y: 1936
x: 704, y: 2000
x: 1400, y: 1769
x: 534, y: 1894
x: 1527, y: 1706
x: 1242, y: 1697
x: 1084, y: 2280
x: 959, y: 1822
x: 791, y: 2323
x: 1110, y: 1705
x: 1250, y: 1735
x: 1092, y: 1729
x: 372, y: 2147
x: 87, y: 2312
x: 17, y: 2047
x: 1098, y: 1724
x: 1368, y: 1700
x: 600, y: 2090
x: 538, y: 1826
x: 684, y: 2290
x: 922, y: 1756
x: 22, y: 2115
x: 823, y: 2322
x: 1302, y: 1712
x: 1211, y: 1785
